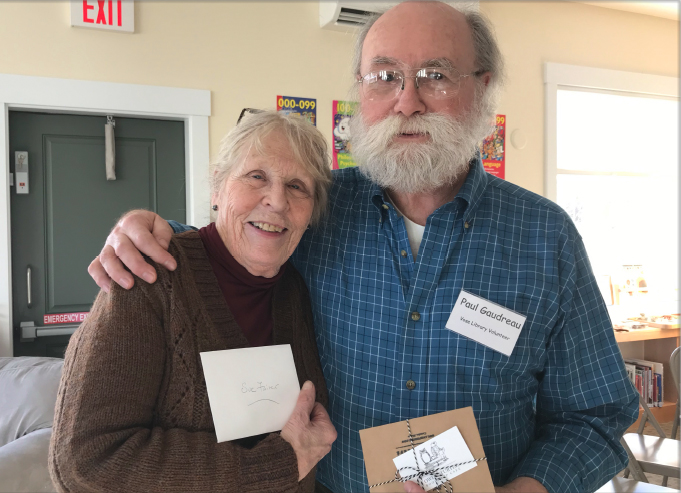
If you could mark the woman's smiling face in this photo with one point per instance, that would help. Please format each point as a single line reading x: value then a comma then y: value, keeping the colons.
x: 265, y: 206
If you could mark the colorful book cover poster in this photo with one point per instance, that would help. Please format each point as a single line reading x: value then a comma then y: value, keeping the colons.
x: 342, y: 112
x: 305, y: 107
x: 493, y: 147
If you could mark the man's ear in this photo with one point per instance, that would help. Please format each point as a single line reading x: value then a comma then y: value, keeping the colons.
x: 486, y: 78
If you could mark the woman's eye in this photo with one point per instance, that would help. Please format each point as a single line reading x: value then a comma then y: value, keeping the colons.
x: 298, y: 188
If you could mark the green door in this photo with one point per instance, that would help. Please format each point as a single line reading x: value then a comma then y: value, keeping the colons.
x: 60, y: 224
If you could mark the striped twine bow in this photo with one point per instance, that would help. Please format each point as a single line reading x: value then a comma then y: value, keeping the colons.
x: 437, y: 473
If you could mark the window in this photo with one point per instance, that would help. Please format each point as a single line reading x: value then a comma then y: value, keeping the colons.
x: 612, y: 164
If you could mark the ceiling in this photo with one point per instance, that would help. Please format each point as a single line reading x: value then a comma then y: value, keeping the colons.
x: 668, y: 9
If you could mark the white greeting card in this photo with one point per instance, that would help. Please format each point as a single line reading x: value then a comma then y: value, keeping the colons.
x: 250, y: 390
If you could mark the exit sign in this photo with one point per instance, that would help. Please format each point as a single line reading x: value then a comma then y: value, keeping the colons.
x: 111, y: 15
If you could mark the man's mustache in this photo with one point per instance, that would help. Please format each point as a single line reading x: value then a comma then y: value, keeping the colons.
x: 397, y: 125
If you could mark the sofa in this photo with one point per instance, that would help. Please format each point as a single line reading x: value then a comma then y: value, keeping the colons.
x: 28, y: 393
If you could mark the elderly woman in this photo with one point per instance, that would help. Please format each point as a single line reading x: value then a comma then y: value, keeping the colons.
x: 132, y: 412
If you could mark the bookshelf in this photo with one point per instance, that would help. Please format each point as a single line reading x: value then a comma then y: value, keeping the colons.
x: 654, y: 345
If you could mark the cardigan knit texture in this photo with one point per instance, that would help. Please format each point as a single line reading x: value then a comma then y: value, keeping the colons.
x: 132, y: 412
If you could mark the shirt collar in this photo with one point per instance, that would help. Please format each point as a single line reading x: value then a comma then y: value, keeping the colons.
x: 469, y: 196
x: 474, y: 186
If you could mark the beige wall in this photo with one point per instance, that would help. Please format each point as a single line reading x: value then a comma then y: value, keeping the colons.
x: 247, y: 53
x: 531, y: 33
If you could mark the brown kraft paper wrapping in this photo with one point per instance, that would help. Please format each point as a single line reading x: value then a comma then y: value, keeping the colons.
x: 382, y: 443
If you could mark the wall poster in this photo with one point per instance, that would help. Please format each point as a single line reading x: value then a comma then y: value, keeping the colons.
x: 493, y: 149
x: 305, y: 107
x: 342, y: 113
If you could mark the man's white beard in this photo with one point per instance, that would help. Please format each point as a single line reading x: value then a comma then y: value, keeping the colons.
x: 417, y: 167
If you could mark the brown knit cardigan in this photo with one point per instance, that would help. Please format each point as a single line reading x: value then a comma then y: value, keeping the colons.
x: 132, y: 411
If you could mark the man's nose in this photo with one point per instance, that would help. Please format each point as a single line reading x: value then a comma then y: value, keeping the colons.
x: 409, y: 100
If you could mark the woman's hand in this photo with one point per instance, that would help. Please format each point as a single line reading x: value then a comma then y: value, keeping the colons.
x: 309, y: 430
x: 137, y: 231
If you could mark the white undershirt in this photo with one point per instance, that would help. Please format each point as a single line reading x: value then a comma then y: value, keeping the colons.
x: 414, y: 231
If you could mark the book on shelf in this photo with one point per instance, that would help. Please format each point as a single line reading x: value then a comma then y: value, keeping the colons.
x: 648, y: 377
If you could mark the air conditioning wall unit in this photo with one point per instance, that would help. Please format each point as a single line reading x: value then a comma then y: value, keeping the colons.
x: 347, y: 15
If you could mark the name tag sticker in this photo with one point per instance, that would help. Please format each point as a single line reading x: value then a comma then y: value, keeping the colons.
x: 486, y: 322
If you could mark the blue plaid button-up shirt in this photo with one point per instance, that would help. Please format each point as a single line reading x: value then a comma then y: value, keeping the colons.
x: 554, y: 410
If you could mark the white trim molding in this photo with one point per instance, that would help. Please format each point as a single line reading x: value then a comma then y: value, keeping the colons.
x: 192, y: 106
x: 558, y: 75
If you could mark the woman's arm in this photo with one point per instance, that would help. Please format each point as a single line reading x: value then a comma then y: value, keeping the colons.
x: 103, y: 439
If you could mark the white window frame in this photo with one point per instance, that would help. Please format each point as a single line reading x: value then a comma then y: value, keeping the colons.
x: 192, y: 106
x: 562, y: 76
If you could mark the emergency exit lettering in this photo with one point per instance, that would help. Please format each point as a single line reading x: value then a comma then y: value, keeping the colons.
x: 64, y: 318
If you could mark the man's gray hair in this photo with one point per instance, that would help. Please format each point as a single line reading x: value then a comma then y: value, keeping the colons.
x: 308, y: 146
x: 488, y: 57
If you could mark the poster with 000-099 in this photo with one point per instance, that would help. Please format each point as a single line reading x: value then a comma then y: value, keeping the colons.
x: 493, y: 149
x: 342, y: 147
x: 305, y: 107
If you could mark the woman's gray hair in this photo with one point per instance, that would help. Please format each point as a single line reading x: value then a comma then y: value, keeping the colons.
x: 307, y: 144
x: 488, y: 57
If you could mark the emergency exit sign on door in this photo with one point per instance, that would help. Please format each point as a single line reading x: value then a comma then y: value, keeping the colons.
x: 111, y: 15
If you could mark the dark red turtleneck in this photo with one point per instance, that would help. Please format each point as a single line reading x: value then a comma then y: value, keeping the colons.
x: 249, y: 297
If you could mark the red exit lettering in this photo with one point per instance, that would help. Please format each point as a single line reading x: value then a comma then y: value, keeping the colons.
x: 86, y: 7
x: 102, y: 7
x: 101, y: 18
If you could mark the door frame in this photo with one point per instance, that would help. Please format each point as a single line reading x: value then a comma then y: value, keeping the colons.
x: 52, y: 95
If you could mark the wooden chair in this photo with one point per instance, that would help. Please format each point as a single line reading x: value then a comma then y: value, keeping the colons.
x: 649, y: 454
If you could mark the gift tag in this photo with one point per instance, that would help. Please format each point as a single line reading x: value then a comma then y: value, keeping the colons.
x: 488, y: 323
x: 447, y: 454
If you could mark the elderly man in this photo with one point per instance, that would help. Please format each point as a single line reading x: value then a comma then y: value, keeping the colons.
x: 418, y: 222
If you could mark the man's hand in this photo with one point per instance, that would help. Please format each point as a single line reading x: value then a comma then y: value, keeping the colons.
x: 518, y: 485
x: 412, y: 487
x: 137, y: 231
x: 309, y: 431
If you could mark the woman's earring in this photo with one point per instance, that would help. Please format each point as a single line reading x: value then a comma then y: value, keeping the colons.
x: 215, y: 207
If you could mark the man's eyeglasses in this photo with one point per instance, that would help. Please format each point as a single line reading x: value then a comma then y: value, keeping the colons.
x: 251, y: 111
x: 436, y: 83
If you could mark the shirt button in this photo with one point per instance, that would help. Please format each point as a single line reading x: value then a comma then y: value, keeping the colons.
x: 404, y: 253
x: 415, y: 316
x: 411, y: 385
x: 385, y: 206
x: 466, y: 225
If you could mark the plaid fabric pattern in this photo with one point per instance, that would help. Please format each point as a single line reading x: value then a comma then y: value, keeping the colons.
x: 520, y: 251
x: 554, y: 410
